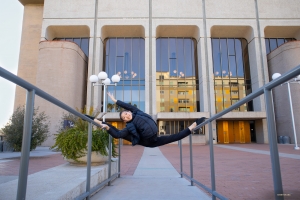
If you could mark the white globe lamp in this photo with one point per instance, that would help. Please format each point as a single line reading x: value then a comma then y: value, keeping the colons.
x: 106, y: 81
x: 102, y: 75
x: 275, y: 75
x: 115, y: 78
x: 94, y: 79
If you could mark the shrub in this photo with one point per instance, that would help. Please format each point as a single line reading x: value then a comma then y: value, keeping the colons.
x: 13, y: 130
x: 72, y: 141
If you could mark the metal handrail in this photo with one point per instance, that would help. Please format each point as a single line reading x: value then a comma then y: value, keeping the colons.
x: 31, y: 92
x: 276, y: 172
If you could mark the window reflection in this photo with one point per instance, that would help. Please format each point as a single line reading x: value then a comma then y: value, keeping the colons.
x: 173, y: 127
x: 176, y: 80
x: 83, y: 43
x: 231, y: 72
x: 274, y: 43
x: 126, y: 57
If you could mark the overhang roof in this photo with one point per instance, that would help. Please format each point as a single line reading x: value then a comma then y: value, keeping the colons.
x: 24, y: 2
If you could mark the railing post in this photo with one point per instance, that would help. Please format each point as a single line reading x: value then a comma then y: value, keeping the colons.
x: 277, y: 182
x: 119, y: 160
x: 191, y: 159
x: 88, y: 174
x: 25, y: 153
x: 180, y: 149
x: 212, y: 161
x: 109, y: 158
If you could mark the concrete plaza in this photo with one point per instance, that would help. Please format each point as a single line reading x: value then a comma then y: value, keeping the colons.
x: 243, y: 171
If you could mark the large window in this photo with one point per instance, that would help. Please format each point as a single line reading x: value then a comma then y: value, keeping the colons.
x: 173, y: 127
x: 83, y: 43
x: 232, y: 79
x: 126, y: 57
x: 176, y: 75
x: 273, y: 43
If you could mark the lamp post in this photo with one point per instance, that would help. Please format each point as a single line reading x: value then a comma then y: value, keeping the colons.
x: 104, y: 81
x: 295, y: 80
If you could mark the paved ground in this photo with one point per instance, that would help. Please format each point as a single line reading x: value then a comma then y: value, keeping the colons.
x: 153, y: 178
x: 243, y: 171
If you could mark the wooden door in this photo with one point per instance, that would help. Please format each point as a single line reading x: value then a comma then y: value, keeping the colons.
x: 225, y: 132
x: 242, y: 131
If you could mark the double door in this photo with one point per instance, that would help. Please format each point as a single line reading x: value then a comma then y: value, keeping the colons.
x: 233, y: 132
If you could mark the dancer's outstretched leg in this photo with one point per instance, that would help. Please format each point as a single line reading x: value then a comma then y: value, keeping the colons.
x: 162, y: 140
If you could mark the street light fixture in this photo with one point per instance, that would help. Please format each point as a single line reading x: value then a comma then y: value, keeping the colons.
x: 295, y: 80
x: 105, y: 81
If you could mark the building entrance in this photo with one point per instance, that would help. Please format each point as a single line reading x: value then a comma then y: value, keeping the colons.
x: 233, y: 132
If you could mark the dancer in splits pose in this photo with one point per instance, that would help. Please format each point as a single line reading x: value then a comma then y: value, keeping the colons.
x: 140, y: 128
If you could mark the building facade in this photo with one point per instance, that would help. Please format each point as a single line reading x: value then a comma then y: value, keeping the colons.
x: 177, y: 60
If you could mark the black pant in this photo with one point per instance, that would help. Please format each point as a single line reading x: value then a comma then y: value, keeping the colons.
x: 154, y: 141
x: 162, y: 140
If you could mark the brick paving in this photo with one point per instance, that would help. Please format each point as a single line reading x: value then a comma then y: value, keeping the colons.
x: 12, y: 165
x: 130, y: 158
x: 239, y: 175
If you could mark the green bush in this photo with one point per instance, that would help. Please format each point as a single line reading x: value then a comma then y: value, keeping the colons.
x: 72, y: 141
x: 13, y: 131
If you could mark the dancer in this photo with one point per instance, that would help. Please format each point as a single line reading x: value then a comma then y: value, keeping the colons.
x: 140, y: 128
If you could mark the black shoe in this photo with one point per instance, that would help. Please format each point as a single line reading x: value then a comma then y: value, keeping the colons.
x: 200, y: 120
x: 92, y: 118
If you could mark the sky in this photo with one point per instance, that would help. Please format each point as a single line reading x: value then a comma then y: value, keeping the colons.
x: 11, y: 17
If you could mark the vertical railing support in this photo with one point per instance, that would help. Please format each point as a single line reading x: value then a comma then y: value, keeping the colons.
x: 180, y: 149
x: 25, y: 153
x: 88, y: 173
x: 109, y: 158
x: 212, y: 160
x: 277, y: 182
x: 191, y: 160
x: 119, y: 160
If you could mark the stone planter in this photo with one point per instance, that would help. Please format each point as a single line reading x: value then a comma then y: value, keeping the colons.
x: 96, y: 159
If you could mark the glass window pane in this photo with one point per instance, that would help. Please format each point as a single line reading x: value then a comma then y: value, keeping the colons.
x: 134, y: 71
x: 280, y: 41
x: 141, y: 75
x: 85, y: 45
x: 121, y: 47
x: 164, y: 55
x: 224, y: 58
x: 267, y: 46
x: 180, y: 54
x: 231, y: 50
x: 232, y: 66
x: 189, y: 62
x: 77, y: 41
x: 172, y: 58
x: 216, y: 57
x: 158, y: 56
x: 239, y: 58
x: 273, y: 44
x: 142, y: 98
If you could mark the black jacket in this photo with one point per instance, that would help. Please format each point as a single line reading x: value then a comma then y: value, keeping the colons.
x: 142, y: 126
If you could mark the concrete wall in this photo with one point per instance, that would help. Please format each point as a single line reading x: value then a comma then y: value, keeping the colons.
x: 281, y: 60
x: 62, y: 73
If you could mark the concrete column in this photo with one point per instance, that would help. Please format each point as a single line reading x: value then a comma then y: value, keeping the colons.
x: 29, y: 49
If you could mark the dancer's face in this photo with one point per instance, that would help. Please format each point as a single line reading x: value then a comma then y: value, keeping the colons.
x: 126, y: 116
